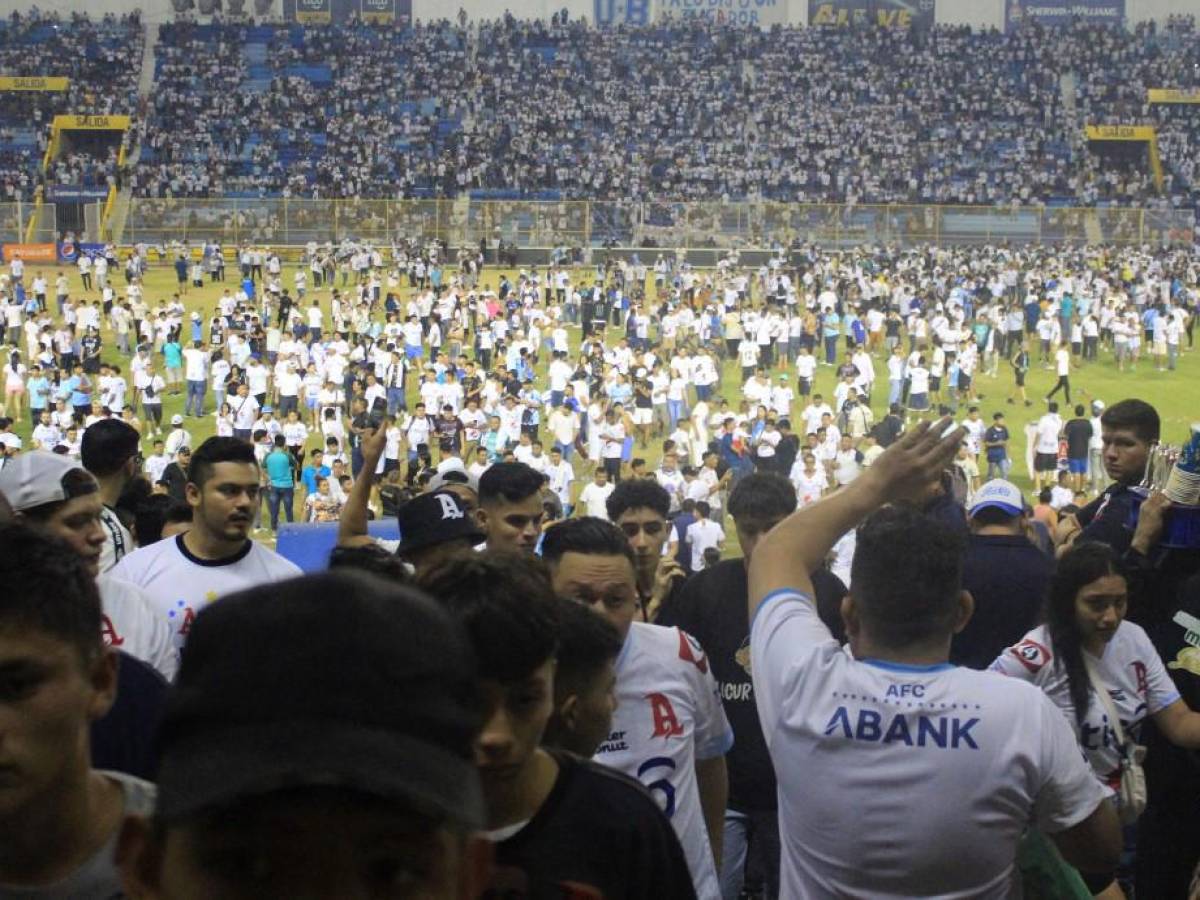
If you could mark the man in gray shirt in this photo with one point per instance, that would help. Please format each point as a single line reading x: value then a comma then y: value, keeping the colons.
x: 59, y: 818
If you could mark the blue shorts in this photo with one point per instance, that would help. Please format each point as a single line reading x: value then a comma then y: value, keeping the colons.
x: 1077, y: 466
x: 412, y: 352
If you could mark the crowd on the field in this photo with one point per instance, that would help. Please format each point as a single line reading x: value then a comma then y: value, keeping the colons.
x: 407, y: 384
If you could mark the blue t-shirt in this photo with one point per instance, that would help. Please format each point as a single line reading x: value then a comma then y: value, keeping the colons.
x: 309, y: 476
x: 279, y: 469
x: 173, y: 355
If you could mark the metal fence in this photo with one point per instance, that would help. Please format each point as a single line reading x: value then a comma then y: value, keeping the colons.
x: 710, y: 226
x: 15, y: 220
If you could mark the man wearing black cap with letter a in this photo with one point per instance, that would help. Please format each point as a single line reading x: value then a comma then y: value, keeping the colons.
x: 337, y: 765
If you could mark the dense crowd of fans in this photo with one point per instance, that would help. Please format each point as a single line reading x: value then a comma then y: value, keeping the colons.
x: 102, y: 59
x: 559, y: 109
x: 953, y: 116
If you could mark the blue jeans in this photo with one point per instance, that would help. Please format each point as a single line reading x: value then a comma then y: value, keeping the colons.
x: 395, y: 400
x: 831, y: 348
x: 675, y: 412
x: 750, y: 837
x: 1003, y: 467
x: 195, y: 392
x: 275, y: 496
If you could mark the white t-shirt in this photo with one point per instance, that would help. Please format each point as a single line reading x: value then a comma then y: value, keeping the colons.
x: 1130, y: 668
x: 130, y: 624
x: 701, y: 535
x: 1048, y: 427
x: 180, y: 584
x: 948, y: 765
x: 669, y: 716
x: 117, y: 540
x: 595, y: 498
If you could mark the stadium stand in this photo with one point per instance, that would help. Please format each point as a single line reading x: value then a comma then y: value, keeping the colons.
x: 101, y: 59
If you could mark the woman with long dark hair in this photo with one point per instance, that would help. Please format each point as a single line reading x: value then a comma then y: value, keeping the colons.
x: 1086, y: 628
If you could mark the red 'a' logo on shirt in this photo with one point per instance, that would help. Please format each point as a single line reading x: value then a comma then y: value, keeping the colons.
x: 1139, y: 672
x: 1031, y: 655
x: 691, y: 651
x: 665, y: 722
x: 108, y: 632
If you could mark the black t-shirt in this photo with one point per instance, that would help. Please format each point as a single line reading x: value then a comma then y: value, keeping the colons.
x: 712, y: 608
x: 1106, y: 519
x: 1008, y: 577
x: 123, y: 741
x: 1078, y: 433
x: 598, y: 835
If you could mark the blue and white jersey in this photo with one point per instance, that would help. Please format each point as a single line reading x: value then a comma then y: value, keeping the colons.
x: 1132, y: 672
x: 668, y: 716
x: 902, y: 781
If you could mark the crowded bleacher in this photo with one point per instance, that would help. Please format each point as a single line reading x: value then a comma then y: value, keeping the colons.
x: 559, y: 109
x: 101, y: 60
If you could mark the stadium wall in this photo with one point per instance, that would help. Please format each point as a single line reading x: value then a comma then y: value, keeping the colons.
x: 978, y: 13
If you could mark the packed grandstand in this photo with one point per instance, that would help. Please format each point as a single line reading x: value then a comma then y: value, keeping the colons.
x: 560, y: 110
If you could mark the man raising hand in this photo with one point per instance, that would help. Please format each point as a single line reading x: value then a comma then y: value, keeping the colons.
x: 899, y: 774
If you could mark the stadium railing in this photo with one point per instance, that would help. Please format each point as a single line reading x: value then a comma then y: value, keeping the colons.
x: 16, y: 219
x: 705, y: 229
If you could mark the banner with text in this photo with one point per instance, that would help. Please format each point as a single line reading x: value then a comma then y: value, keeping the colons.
x: 91, y: 123
x: 31, y: 253
x: 918, y: 14
x: 74, y: 193
x: 762, y: 13
x: 379, y: 11
x: 1016, y: 13
x: 55, y: 83
x: 68, y: 250
x: 1120, y: 132
x: 314, y: 12
x: 1172, y: 95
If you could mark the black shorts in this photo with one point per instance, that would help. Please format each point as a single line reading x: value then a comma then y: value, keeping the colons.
x: 1045, y: 462
x: 805, y: 387
x: 1020, y: 376
x: 935, y: 382
x: 964, y: 382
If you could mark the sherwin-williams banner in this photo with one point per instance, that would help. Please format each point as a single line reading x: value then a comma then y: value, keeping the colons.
x: 34, y: 253
x: 12, y: 83
x: 318, y: 12
x: 863, y: 13
x: 1017, y: 13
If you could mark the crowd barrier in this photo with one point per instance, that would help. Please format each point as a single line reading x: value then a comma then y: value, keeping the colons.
x: 712, y: 226
x: 704, y: 230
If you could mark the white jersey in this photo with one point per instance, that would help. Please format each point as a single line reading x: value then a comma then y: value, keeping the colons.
x: 668, y: 717
x: 131, y: 625
x: 180, y: 584
x: 117, y: 540
x: 1131, y: 670
x: 949, y: 766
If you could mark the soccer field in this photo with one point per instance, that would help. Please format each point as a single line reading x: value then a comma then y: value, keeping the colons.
x: 1175, y: 394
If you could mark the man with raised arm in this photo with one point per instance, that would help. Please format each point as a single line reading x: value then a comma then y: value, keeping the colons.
x: 899, y: 774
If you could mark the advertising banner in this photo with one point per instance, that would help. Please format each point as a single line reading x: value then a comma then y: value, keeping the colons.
x: 763, y: 13
x: 1017, y: 13
x: 91, y: 123
x: 31, y: 253
x: 917, y: 14
x: 69, y: 250
x: 1172, y: 95
x: 73, y: 193
x: 379, y: 11
x: 314, y: 12
x: 12, y: 83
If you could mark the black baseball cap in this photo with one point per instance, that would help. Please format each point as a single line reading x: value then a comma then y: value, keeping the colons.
x: 435, y: 518
x: 336, y: 680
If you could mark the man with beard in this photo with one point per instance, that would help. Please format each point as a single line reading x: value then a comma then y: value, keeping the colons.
x: 216, y: 556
